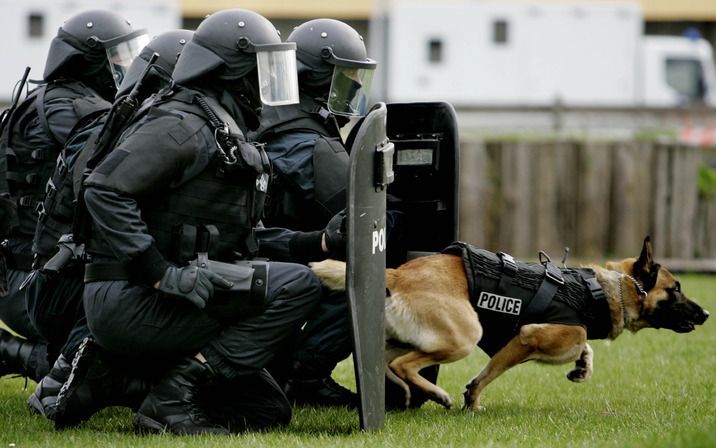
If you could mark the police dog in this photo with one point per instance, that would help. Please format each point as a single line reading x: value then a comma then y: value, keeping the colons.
x: 429, y: 319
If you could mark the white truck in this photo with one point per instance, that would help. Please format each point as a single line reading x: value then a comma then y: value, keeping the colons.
x: 28, y: 26
x: 527, y: 53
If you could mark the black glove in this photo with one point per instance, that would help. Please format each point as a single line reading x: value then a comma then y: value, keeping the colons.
x: 336, y: 236
x: 193, y: 283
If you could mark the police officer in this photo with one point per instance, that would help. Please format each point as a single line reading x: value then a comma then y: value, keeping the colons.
x: 310, y: 163
x: 54, y: 291
x: 308, y: 188
x: 85, y: 64
x: 183, y: 182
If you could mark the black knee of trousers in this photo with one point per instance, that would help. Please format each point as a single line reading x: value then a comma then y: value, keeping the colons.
x: 13, y: 307
x: 54, y: 304
x: 326, y: 339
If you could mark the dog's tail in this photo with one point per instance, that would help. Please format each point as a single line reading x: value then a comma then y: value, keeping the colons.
x: 332, y: 274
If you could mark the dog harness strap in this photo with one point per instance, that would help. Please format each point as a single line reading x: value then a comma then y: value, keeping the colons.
x: 599, y: 321
x: 547, y: 289
x: 509, y: 271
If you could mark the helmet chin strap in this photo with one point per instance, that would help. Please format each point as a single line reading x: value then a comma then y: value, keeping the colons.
x: 103, y: 83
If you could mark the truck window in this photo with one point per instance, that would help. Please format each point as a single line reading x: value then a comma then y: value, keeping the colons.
x: 686, y: 77
x: 435, y: 50
x: 35, y: 22
x: 500, y: 31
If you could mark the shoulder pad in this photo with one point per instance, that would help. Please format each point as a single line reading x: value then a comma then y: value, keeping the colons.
x: 185, y: 128
x: 89, y: 105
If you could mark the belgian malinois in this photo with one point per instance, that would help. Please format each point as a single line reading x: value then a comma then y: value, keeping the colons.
x: 429, y: 319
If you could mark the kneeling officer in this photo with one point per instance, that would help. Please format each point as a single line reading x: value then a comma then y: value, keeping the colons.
x: 183, y: 180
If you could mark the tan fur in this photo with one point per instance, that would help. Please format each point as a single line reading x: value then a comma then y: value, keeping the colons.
x: 429, y: 309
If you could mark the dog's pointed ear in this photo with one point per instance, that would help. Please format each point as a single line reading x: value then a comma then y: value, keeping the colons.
x: 644, y: 269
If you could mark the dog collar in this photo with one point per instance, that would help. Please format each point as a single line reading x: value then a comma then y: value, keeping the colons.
x: 637, y: 285
x: 639, y: 290
x: 625, y: 317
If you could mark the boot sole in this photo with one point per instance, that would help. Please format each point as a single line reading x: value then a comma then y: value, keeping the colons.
x: 147, y: 425
x: 35, y: 405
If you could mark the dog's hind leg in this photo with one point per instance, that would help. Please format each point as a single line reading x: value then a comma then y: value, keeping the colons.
x: 583, y: 367
x: 392, y: 352
x: 402, y: 384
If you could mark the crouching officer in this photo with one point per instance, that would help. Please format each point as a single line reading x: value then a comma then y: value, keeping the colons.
x: 54, y: 291
x: 85, y: 64
x: 308, y: 188
x: 175, y: 204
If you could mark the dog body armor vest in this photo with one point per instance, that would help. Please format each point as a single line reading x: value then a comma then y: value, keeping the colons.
x: 507, y: 294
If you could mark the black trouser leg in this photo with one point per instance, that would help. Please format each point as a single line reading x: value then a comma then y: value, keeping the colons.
x: 13, y: 307
x: 253, y: 342
x: 55, y: 307
x: 140, y: 321
x: 25, y: 355
x: 325, y: 340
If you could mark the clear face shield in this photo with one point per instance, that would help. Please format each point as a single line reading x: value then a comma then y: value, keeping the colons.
x: 278, y: 76
x: 122, y: 54
x: 350, y: 87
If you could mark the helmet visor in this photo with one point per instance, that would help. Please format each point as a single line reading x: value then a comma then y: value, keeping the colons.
x: 278, y: 77
x: 349, y: 91
x: 122, y: 54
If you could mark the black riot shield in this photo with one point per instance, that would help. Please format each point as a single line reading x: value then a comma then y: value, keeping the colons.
x: 370, y: 173
x: 426, y: 168
x: 426, y: 188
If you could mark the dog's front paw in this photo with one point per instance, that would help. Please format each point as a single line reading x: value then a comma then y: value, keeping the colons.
x: 445, y: 400
x: 579, y: 375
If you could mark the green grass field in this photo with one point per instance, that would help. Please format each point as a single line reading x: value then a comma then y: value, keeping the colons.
x: 652, y: 389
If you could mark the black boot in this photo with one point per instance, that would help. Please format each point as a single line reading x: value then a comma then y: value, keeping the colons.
x: 44, y: 400
x: 319, y: 392
x: 94, y: 383
x: 175, y: 403
x: 311, y: 385
x: 21, y: 357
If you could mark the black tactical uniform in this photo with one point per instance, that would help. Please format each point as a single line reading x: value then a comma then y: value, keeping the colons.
x: 198, y: 190
x: 54, y: 292
x: 310, y: 165
x: 79, y: 82
x: 309, y: 184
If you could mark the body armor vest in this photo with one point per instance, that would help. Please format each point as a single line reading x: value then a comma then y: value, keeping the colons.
x: 214, y: 211
x: 56, y: 211
x: 504, y: 293
x: 285, y: 205
x: 30, y: 161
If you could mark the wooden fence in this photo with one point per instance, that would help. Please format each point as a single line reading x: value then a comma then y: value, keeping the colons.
x: 598, y: 198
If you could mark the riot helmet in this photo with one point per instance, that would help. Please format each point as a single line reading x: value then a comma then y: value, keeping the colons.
x: 330, y: 51
x: 230, y: 45
x: 168, y: 46
x: 90, y: 41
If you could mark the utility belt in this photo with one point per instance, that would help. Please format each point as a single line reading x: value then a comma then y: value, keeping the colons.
x: 248, y: 295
